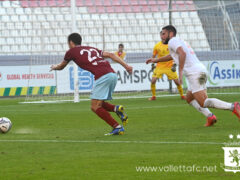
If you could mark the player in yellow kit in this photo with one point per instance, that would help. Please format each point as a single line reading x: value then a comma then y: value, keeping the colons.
x: 168, y: 68
x: 120, y: 53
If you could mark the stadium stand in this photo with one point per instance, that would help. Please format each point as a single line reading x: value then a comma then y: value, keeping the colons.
x: 42, y: 26
x: 213, y: 19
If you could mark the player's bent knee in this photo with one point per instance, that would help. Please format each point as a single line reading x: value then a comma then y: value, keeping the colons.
x: 154, y: 81
x: 93, y: 108
x: 95, y: 105
x: 176, y: 82
x: 188, y: 100
x: 201, y: 104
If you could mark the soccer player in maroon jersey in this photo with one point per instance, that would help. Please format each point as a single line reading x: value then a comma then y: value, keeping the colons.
x: 93, y: 60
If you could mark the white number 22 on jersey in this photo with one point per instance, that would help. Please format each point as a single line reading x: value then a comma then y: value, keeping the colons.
x: 90, y: 57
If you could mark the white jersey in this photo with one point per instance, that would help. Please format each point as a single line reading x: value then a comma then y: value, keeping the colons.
x: 192, y: 64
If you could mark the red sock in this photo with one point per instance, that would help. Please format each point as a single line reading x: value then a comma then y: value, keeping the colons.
x: 107, y: 106
x: 102, y: 113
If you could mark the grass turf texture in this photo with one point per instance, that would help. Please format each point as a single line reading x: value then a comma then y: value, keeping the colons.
x: 168, y: 119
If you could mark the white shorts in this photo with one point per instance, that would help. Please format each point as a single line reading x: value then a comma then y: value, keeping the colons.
x: 197, y: 82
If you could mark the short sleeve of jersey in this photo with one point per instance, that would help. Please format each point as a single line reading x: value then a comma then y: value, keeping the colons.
x: 68, y: 56
x: 174, y: 43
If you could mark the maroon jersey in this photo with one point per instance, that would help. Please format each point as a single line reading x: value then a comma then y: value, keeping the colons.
x: 90, y: 59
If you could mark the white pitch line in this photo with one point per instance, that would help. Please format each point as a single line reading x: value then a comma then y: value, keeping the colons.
x: 106, y: 142
x: 158, y: 107
x: 115, y: 98
x: 88, y: 109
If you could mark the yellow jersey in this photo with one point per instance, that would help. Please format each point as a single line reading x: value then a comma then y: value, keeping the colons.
x: 122, y: 55
x: 161, y: 50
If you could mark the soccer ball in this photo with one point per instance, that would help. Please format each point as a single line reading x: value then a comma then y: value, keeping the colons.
x: 5, y: 125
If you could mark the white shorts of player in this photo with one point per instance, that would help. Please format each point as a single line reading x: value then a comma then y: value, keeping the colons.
x: 197, y: 81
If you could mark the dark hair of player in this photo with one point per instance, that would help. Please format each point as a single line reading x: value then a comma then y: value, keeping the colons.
x: 121, y: 45
x: 170, y: 28
x: 75, y: 38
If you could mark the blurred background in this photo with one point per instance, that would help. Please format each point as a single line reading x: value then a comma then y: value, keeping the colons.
x: 33, y: 35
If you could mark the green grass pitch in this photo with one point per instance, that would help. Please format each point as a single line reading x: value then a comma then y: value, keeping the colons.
x: 66, y: 141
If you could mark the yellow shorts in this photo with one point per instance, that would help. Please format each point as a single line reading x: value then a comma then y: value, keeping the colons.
x: 158, y: 72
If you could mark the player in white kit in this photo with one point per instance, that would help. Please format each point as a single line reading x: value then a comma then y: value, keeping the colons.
x: 196, y: 75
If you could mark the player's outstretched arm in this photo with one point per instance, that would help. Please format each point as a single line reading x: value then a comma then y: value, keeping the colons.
x: 59, y: 66
x: 118, y: 60
x: 182, y: 57
x: 161, y: 59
